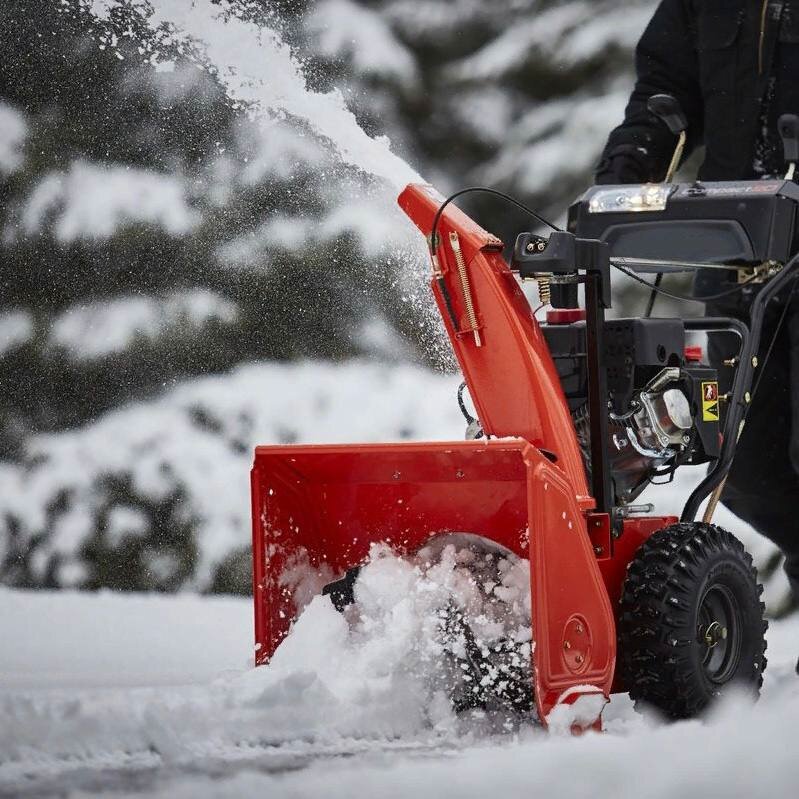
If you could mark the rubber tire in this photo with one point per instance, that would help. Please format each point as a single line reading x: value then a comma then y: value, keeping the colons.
x: 660, y: 652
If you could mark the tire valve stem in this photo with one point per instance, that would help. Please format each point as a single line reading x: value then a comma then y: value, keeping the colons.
x: 466, y: 287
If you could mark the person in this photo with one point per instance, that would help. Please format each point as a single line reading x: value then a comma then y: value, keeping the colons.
x: 733, y: 66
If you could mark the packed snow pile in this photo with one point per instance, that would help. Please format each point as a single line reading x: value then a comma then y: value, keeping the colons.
x: 393, y: 665
x: 125, y: 694
x: 395, y: 662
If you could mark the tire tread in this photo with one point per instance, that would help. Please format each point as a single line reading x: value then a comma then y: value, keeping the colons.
x: 656, y: 610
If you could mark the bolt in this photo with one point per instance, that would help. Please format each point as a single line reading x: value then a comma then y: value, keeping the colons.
x: 747, y: 397
x: 579, y: 628
x: 567, y: 645
x: 599, y: 550
x: 531, y: 247
x: 459, y: 474
x: 578, y: 659
x: 397, y: 475
x: 755, y: 361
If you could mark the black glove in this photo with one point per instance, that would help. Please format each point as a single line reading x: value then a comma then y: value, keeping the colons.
x: 624, y: 163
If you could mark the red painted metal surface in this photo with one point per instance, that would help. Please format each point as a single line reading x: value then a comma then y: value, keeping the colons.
x: 565, y: 316
x: 317, y: 510
x: 512, y: 378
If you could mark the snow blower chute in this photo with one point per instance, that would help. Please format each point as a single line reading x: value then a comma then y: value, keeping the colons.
x: 576, y: 417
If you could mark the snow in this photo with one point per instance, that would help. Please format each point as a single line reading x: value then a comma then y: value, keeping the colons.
x: 94, y: 330
x: 557, y: 140
x: 13, y: 130
x: 577, y: 708
x: 199, y: 438
x: 562, y: 36
x: 150, y: 695
x: 347, y: 30
x: 69, y: 639
x: 260, y: 71
x: 278, y: 151
x: 16, y: 328
x: 94, y: 201
x: 373, y: 220
x: 370, y: 215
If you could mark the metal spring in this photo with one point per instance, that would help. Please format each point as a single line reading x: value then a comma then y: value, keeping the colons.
x: 544, y: 289
x: 465, y: 286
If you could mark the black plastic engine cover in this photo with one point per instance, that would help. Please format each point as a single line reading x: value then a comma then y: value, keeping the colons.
x: 736, y: 222
x: 636, y: 350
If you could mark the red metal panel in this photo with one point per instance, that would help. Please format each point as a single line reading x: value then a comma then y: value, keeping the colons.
x: 634, y: 532
x: 613, y: 562
x: 573, y: 622
x: 512, y: 378
x: 328, y: 504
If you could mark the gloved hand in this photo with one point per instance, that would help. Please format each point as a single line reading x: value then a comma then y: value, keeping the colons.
x: 624, y: 163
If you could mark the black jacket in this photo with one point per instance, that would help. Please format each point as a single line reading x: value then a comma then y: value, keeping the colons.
x: 719, y: 58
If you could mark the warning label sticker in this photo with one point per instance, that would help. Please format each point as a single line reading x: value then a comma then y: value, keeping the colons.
x: 710, y: 402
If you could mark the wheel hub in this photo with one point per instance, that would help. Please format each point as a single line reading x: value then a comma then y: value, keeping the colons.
x: 719, y: 633
x: 713, y: 634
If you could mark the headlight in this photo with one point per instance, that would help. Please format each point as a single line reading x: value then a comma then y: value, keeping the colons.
x: 624, y: 199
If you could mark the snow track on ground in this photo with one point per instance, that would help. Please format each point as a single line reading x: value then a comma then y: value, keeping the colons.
x: 151, y: 695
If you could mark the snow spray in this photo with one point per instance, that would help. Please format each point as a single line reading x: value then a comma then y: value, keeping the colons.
x: 259, y: 70
x: 260, y: 73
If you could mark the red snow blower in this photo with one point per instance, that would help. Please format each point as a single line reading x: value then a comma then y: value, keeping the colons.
x: 574, y: 418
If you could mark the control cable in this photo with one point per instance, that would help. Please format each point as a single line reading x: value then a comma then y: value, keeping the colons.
x: 492, y: 192
x: 656, y: 289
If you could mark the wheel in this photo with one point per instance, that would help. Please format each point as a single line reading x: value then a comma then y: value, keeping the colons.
x: 691, y: 621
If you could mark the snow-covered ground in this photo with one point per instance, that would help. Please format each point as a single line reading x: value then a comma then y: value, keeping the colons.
x: 145, y: 695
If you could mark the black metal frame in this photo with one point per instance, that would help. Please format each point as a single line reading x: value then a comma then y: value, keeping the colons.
x: 598, y: 412
x: 742, y: 382
x: 587, y: 261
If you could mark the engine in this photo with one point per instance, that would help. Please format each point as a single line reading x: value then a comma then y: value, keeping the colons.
x: 663, y: 403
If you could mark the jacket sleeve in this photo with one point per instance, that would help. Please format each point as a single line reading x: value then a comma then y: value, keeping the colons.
x: 666, y: 62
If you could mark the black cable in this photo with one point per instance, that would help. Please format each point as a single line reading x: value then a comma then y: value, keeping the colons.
x: 495, y: 193
x: 470, y: 420
x: 466, y: 415
x: 707, y: 298
x: 773, y: 342
x: 650, y: 306
x: 653, y: 287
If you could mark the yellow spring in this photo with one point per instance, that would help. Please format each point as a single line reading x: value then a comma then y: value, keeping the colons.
x: 465, y: 286
x: 544, y: 288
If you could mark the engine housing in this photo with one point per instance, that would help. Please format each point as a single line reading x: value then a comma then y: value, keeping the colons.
x: 658, y: 420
